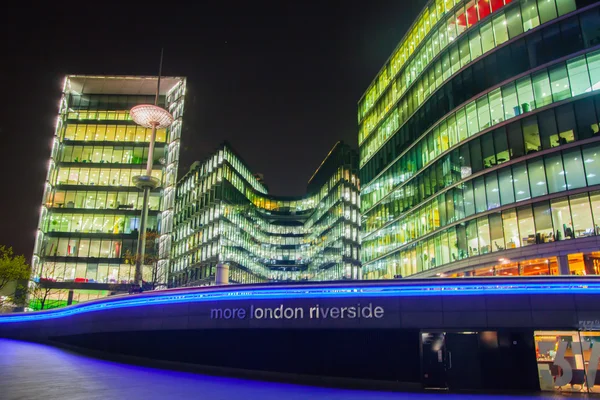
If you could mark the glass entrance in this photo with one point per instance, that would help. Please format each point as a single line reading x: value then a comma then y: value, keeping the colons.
x: 568, y: 361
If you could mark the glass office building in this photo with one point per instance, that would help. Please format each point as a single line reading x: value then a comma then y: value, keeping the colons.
x: 224, y: 214
x: 479, y: 144
x: 91, y: 208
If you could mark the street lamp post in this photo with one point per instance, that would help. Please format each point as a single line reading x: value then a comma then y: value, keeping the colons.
x: 154, y: 117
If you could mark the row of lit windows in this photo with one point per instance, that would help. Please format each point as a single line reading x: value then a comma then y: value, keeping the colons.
x: 575, y: 77
x: 465, y: 16
x: 109, y: 154
x: 80, y: 247
x: 96, y: 223
x: 93, y: 273
x: 102, y: 200
x: 554, y: 173
x: 564, y: 218
x: 504, y: 26
x: 112, y: 133
x: 543, y: 131
x: 101, y: 176
x: 463, y: 52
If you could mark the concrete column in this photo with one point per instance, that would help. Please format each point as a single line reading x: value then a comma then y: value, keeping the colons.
x: 222, y: 274
x: 70, y: 298
x: 563, y: 265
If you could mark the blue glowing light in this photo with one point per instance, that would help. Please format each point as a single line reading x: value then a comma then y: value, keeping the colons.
x: 324, y: 291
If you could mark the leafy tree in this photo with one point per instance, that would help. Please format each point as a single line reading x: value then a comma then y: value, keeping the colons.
x: 12, y: 268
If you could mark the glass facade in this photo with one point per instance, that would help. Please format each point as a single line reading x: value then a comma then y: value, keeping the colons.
x: 485, y: 143
x: 91, y: 208
x: 225, y: 215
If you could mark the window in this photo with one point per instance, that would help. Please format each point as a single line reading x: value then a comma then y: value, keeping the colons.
x: 537, y: 177
x: 514, y: 23
x: 547, y: 10
x: 555, y: 173
x: 521, y: 182
x: 492, y: 191
x: 487, y: 37
x: 507, y: 194
x: 578, y: 74
x: 583, y: 223
x: 530, y: 14
x: 483, y: 231
x: 511, y: 229
x: 525, y: 94
x: 543, y: 222
x: 541, y: 89
x: 560, y: 83
x: 591, y: 160
x: 531, y: 135
x: 561, y: 218
x: 593, y: 61
x: 526, y: 225
x: 574, y: 169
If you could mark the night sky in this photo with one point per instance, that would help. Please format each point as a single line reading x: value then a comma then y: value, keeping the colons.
x: 279, y: 80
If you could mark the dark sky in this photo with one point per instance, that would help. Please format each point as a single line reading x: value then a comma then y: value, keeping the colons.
x: 280, y: 80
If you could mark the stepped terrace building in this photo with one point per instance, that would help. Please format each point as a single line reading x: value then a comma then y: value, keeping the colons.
x: 224, y: 214
x: 479, y: 145
x: 91, y: 208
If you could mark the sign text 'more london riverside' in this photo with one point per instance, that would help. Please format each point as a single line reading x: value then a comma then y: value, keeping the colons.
x: 316, y: 311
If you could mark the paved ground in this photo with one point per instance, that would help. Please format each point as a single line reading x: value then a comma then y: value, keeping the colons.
x: 31, y: 371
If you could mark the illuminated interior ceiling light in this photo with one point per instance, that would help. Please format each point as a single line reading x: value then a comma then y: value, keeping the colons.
x: 148, y: 116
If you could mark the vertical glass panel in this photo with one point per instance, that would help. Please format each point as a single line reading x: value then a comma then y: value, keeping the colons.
x: 555, y: 173
x: 531, y: 135
x: 521, y: 182
x: 500, y: 29
x: 510, y: 101
x: 593, y: 61
x: 591, y: 160
x: 465, y: 53
x: 514, y: 22
x: 561, y: 218
x: 475, y: 44
x: 595, y: 201
x: 583, y: 223
x: 547, y: 10
x: 574, y: 169
x: 525, y: 94
x: 543, y: 222
x: 472, y: 242
x: 492, y: 191
x: 472, y: 122
x: 578, y: 76
x: 505, y: 183
x: 548, y: 129
x: 479, y: 191
x: 560, y: 83
x: 511, y: 229
x: 468, y: 199
x: 483, y: 113
x: 483, y: 231
x: 487, y: 147
x: 541, y: 89
x: 565, y: 6
x: 530, y: 14
x: 537, y: 178
x: 496, y: 108
x: 526, y: 225
x: 487, y: 37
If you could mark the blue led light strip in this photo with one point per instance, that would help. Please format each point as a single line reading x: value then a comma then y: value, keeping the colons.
x: 311, y: 292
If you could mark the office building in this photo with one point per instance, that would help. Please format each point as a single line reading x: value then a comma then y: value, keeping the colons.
x: 90, y: 212
x: 479, y: 144
x: 224, y: 214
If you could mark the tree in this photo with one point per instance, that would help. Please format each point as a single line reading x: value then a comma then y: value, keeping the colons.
x: 155, y: 277
x: 12, y: 268
x: 40, y: 289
